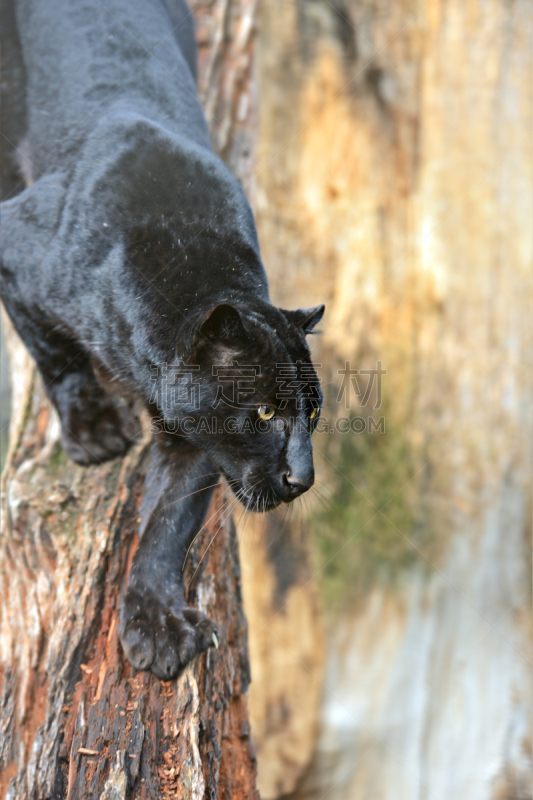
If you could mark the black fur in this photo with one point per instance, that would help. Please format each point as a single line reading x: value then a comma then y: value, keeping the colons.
x: 133, y: 254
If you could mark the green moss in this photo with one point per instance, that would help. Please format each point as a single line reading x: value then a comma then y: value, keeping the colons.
x: 369, y: 529
x: 68, y: 527
x: 113, y: 476
x: 58, y: 458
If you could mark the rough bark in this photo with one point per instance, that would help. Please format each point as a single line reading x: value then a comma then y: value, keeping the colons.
x: 75, y: 720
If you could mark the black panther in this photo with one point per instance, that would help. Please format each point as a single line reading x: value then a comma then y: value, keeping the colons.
x: 133, y: 256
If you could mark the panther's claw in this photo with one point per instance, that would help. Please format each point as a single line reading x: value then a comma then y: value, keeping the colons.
x: 161, y: 638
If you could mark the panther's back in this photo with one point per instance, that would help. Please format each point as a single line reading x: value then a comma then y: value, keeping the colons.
x: 83, y: 60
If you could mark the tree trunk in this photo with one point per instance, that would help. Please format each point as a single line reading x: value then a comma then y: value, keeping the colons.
x: 395, y: 184
x: 287, y: 647
x: 75, y: 720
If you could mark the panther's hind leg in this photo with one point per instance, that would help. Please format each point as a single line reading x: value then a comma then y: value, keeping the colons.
x: 95, y: 425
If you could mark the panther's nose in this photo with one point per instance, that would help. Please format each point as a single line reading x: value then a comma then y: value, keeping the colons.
x: 295, y: 485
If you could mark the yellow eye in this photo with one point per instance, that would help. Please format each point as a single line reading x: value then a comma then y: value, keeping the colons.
x: 266, y: 412
x: 314, y: 413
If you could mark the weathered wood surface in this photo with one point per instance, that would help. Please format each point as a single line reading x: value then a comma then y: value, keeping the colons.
x: 287, y: 646
x: 395, y: 184
x: 75, y: 720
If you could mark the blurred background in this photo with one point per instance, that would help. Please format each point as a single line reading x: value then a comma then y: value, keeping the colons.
x: 390, y: 611
x: 390, y: 615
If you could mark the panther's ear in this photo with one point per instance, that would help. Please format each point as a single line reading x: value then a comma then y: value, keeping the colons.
x: 223, y: 323
x: 306, y: 318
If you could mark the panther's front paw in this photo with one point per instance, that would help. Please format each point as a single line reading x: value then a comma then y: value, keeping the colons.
x: 163, y: 639
x: 97, y: 437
